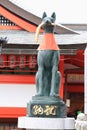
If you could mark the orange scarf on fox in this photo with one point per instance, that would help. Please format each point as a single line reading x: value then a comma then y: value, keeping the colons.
x: 48, y: 42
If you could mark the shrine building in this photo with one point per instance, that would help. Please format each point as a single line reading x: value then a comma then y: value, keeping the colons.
x: 18, y: 62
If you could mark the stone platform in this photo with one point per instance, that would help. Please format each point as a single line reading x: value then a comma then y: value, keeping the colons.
x: 44, y: 106
x: 46, y: 123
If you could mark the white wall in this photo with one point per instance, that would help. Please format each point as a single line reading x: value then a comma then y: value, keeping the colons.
x: 16, y: 95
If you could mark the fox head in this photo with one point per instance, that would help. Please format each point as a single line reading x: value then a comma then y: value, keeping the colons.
x: 47, y: 24
x: 49, y: 20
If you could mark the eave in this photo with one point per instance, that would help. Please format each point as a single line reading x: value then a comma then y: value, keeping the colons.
x: 26, y: 20
x: 18, y: 21
x: 32, y: 49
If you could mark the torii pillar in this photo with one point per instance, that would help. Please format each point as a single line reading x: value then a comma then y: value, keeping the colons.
x: 85, y: 81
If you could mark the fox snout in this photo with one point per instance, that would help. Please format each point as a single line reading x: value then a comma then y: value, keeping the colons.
x: 47, y: 21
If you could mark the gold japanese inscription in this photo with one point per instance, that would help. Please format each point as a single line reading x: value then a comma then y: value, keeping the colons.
x: 37, y: 109
x: 47, y: 110
x: 50, y: 110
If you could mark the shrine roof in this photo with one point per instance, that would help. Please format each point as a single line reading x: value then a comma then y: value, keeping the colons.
x: 31, y: 18
x: 26, y: 38
x: 64, y: 36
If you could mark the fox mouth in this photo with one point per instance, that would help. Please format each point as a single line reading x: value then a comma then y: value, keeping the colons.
x: 48, y: 23
x: 38, y: 29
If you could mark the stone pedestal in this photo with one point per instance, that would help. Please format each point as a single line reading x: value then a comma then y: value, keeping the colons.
x: 46, y: 123
x: 44, y: 106
x: 81, y: 125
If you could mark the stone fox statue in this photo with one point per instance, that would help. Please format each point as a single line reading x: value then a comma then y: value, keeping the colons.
x: 48, y: 77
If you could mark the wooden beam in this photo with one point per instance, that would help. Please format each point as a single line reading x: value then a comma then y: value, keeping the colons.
x: 12, y: 112
x: 18, y: 21
x: 10, y: 28
x: 24, y: 79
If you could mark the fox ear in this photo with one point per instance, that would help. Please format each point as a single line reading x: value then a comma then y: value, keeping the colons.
x: 44, y: 15
x: 53, y: 15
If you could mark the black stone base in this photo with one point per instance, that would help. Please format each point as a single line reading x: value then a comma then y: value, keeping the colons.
x: 43, y: 106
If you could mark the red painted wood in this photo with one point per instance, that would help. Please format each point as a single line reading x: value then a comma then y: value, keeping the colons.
x: 10, y: 28
x: 75, y: 88
x: 20, y: 22
x: 77, y: 60
x: 61, y: 69
x: 12, y: 112
x: 20, y: 79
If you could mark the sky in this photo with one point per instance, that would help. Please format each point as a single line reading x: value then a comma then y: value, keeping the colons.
x: 67, y: 11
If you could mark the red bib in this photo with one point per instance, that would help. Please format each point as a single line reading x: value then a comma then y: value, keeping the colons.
x: 48, y: 42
